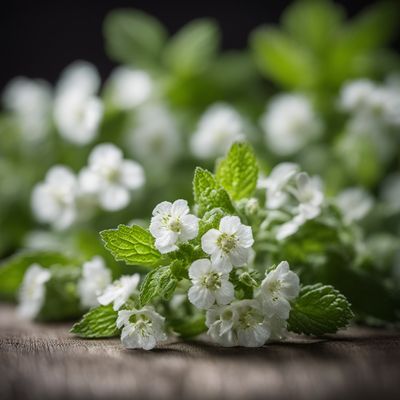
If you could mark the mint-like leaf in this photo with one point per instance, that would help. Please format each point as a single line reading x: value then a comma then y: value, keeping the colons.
x: 238, y: 172
x: 131, y: 244
x: 97, y: 323
x: 209, y: 194
x: 318, y: 310
x: 134, y: 37
x: 159, y: 282
x: 13, y: 269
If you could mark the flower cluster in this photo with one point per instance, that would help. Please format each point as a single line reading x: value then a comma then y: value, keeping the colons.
x: 107, y: 181
x: 292, y: 196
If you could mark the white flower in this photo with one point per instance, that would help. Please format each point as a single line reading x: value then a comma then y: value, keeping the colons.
x: 355, y: 203
x: 30, y: 101
x: 32, y: 292
x: 276, y: 183
x: 53, y: 201
x: 154, y: 138
x: 241, y: 323
x: 230, y: 245
x: 210, y: 285
x: 290, y: 228
x: 141, y: 329
x: 110, y: 177
x: 279, y: 286
x: 355, y: 95
x: 77, y: 110
x: 289, y: 123
x: 277, y: 327
x: 120, y: 291
x: 95, y: 278
x: 130, y: 87
x: 309, y: 194
x: 219, y: 127
x: 171, y: 223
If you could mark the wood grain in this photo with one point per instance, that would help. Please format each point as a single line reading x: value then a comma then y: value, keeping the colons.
x: 46, y: 362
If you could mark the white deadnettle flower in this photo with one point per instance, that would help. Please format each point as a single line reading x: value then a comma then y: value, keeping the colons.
x: 130, y: 87
x: 355, y: 95
x: 275, y: 184
x: 120, y: 291
x: 154, y: 139
x: 32, y: 292
x: 279, y: 286
x: 210, y: 285
x: 54, y: 200
x: 241, y: 323
x: 77, y: 109
x: 110, y: 177
x: 230, y: 245
x: 171, y: 224
x: 141, y: 329
x: 30, y: 101
x: 355, y: 203
x: 289, y: 123
x: 95, y: 278
x: 219, y: 127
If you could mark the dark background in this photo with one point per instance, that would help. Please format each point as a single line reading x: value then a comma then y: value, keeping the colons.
x: 39, y: 38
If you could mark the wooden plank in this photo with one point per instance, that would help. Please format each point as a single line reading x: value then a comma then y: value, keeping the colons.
x: 46, y: 362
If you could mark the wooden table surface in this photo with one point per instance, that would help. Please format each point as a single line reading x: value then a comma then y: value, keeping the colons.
x: 46, y: 362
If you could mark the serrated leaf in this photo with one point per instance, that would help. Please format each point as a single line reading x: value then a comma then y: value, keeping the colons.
x: 319, y: 309
x: 134, y: 37
x: 238, y: 171
x: 132, y: 244
x: 159, y: 282
x: 97, y: 323
x: 208, y: 193
x: 210, y: 220
x: 192, y: 48
x: 13, y: 269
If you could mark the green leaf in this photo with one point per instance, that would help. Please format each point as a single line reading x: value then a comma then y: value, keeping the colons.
x: 159, y: 282
x: 132, y: 244
x: 134, y: 37
x: 97, y: 323
x: 238, y: 172
x: 208, y: 194
x: 313, y: 23
x: 193, y: 48
x: 210, y: 220
x: 283, y: 60
x: 319, y: 310
x: 13, y: 269
x: 189, y: 327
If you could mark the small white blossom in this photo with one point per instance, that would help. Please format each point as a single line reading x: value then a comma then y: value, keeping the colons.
x: 54, y: 200
x: 120, y: 291
x: 279, y: 287
x: 154, y: 138
x: 95, y: 278
x: 110, y: 177
x: 32, y: 292
x: 275, y: 184
x: 30, y: 101
x: 355, y: 203
x: 77, y: 109
x: 241, y: 323
x: 230, y: 245
x: 171, y: 224
x: 219, y: 127
x: 289, y: 123
x: 141, y: 329
x: 209, y: 285
x: 130, y: 87
x: 356, y: 94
